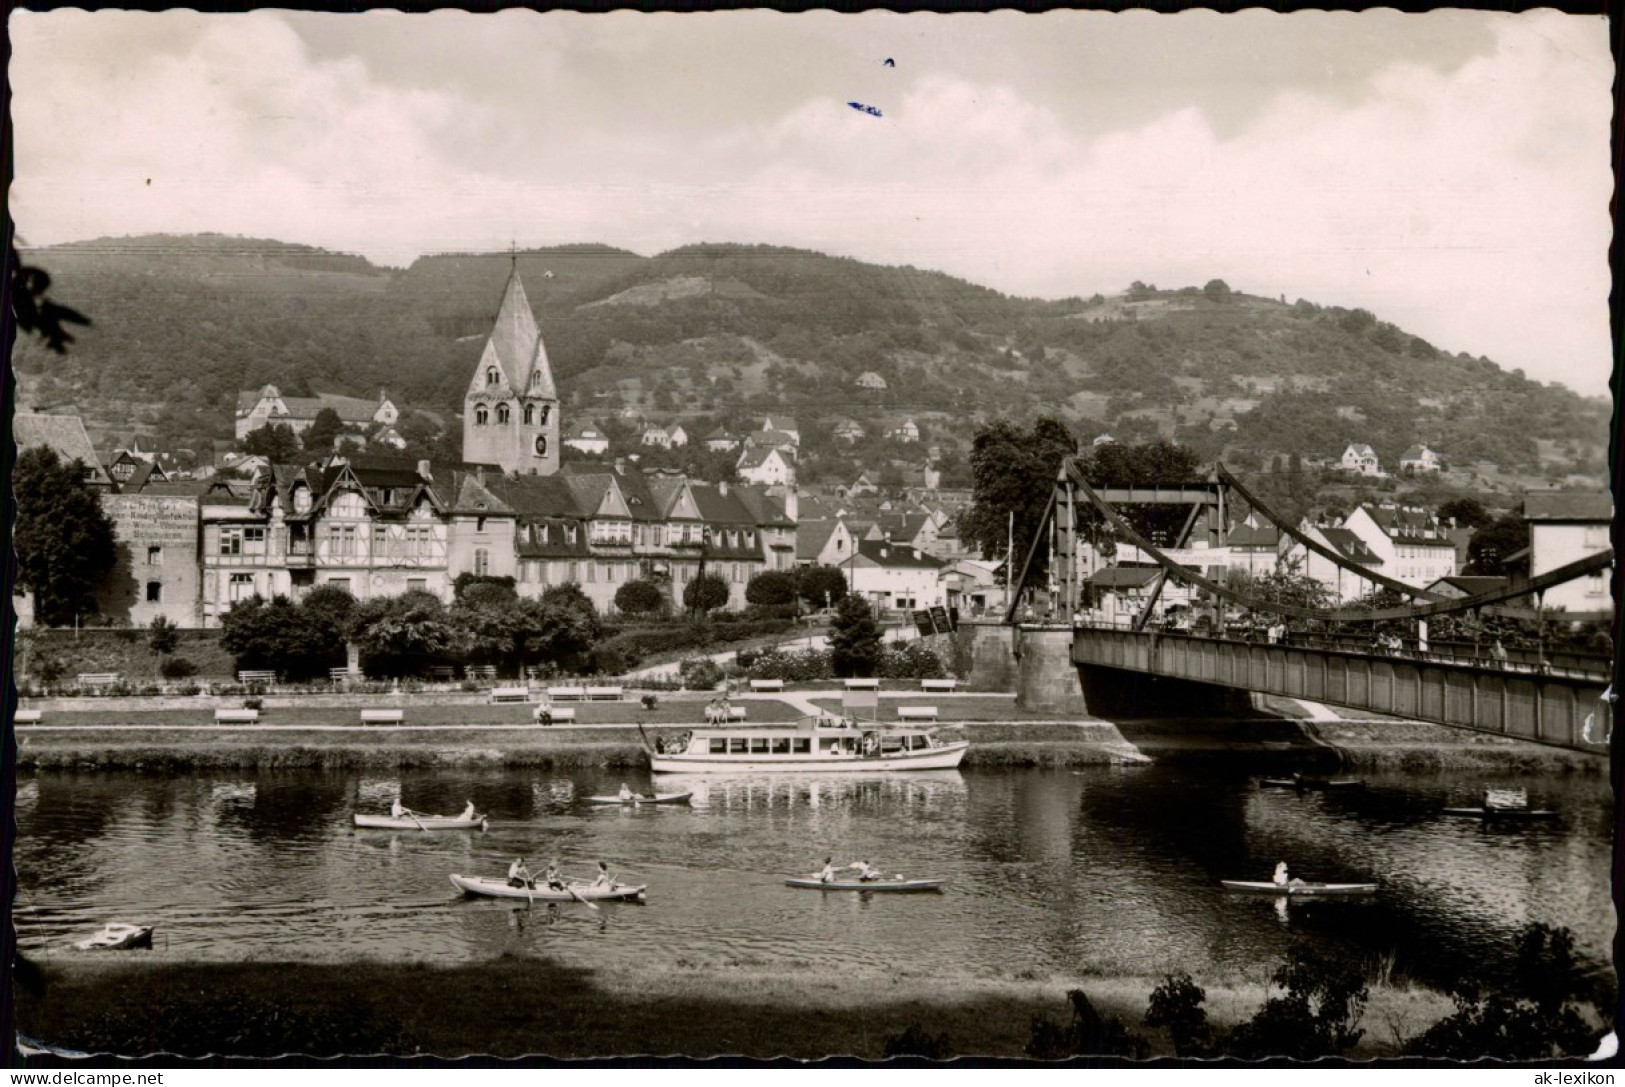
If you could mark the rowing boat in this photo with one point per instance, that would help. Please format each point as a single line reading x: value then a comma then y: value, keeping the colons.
x: 117, y: 936
x: 1503, y: 813
x: 420, y: 822
x: 1265, y: 887
x: 894, y: 886
x: 494, y: 887
x: 1314, y: 783
x: 655, y: 798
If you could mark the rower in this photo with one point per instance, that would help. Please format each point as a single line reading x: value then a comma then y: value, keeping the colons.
x: 519, y: 875
x: 626, y: 793
x: 604, y: 878
x: 554, y: 878
x: 867, y: 873
x: 395, y: 809
x: 468, y: 811
x: 827, y: 875
x: 1282, y: 879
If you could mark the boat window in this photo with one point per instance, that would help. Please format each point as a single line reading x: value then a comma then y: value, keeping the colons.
x: 758, y: 745
x: 719, y: 746
x: 832, y: 745
x: 737, y: 745
x: 803, y: 746
x: 781, y: 746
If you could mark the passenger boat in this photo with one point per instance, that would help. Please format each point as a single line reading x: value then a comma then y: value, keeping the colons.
x: 1266, y: 887
x: 893, y: 886
x: 413, y: 821
x: 117, y: 937
x: 497, y: 887
x: 824, y: 743
x: 1503, y: 813
x: 642, y: 798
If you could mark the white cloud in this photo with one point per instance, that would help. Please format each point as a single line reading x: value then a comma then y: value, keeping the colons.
x: 1467, y: 204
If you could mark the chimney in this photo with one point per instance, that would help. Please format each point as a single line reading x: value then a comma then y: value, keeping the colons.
x: 424, y: 473
x: 722, y: 488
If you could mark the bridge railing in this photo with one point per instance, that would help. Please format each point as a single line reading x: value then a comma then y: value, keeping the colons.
x: 1530, y: 661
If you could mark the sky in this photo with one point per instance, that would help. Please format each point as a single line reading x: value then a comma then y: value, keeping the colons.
x: 1448, y: 171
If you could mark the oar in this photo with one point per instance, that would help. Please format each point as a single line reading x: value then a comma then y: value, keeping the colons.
x: 412, y: 815
x: 575, y: 894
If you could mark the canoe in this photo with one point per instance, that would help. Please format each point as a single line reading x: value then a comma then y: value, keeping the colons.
x: 1503, y: 813
x: 1314, y: 783
x: 657, y: 798
x: 1265, y: 887
x: 894, y: 886
x: 421, y: 822
x: 117, y: 937
x: 497, y: 887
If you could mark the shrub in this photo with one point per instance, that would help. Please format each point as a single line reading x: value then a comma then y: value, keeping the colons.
x: 1324, y: 999
x: 705, y: 593
x: 639, y: 597
x: 916, y: 1041
x: 914, y: 660
x: 798, y: 666
x: 607, y: 661
x: 772, y: 589
x: 700, y: 673
x: 177, y: 668
x: 1177, y: 1005
x: 253, y: 703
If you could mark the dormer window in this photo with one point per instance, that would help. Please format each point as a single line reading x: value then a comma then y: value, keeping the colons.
x: 502, y: 414
x: 481, y: 416
x: 490, y: 376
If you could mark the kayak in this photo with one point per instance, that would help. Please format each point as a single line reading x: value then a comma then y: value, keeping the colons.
x: 895, y: 886
x: 1314, y: 783
x: 420, y: 822
x: 117, y: 937
x: 1265, y: 887
x: 637, y: 798
x: 495, y: 887
x: 1503, y: 813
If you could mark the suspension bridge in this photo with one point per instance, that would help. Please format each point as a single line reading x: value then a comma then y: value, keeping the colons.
x: 1130, y: 666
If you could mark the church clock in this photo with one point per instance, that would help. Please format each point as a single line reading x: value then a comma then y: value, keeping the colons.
x: 541, y: 445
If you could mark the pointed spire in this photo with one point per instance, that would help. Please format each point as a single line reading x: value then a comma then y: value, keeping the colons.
x: 514, y: 337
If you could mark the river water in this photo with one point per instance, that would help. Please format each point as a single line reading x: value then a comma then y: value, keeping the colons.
x: 1050, y: 873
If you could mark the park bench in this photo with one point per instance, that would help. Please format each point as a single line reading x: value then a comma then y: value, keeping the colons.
x: 482, y: 671
x: 605, y: 694
x: 98, y: 679
x: 863, y: 684
x: 236, y: 715
x: 938, y: 684
x: 27, y: 717
x: 382, y: 717
x: 339, y: 675
x: 510, y: 694
x: 267, y: 678
x: 557, y: 713
x: 736, y: 713
x: 767, y: 684
x: 566, y: 694
x: 442, y: 673
x: 916, y: 713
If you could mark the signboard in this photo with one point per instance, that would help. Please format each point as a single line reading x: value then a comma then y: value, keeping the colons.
x: 922, y: 620
x: 941, y: 620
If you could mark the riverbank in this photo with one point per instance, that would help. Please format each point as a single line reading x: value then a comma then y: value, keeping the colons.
x: 515, y: 1006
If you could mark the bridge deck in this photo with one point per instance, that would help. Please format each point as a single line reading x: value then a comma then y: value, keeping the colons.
x: 1529, y: 705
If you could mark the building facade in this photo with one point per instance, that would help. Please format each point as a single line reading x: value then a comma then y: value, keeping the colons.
x: 1564, y: 527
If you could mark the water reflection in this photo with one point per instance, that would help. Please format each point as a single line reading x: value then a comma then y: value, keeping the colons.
x: 1049, y: 873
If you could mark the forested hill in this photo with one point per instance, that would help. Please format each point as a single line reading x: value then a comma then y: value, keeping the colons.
x: 723, y: 331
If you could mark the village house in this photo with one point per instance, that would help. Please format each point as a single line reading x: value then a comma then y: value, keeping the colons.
x: 1360, y: 459
x: 67, y: 436
x: 894, y: 576
x: 1411, y: 543
x: 871, y: 381
x: 587, y: 438
x: 848, y: 431
x: 721, y: 441
x: 257, y: 408
x: 1343, y: 584
x: 780, y: 430
x: 1419, y: 458
x: 1254, y: 548
x: 823, y: 543
x: 765, y: 465
x: 1564, y: 527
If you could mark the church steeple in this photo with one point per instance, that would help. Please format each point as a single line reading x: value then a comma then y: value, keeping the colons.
x: 510, y: 411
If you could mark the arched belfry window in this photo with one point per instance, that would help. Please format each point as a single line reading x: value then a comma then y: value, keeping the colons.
x: 546, y: 410
x: 530, y: 414
x: 502, y: 414
x: 491, y: 376
x: 481, y: 416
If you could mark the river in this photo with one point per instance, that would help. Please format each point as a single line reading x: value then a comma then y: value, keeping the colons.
x: 1109, y: 870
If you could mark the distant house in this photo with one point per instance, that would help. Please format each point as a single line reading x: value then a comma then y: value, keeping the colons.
x: 781, y: 428
x: 257, y: 408
x: 1411, y: 542
x: 890, y: 575
x: 765, y: 464
x: 906, y: 431
x: 65, y: 434
x: 972, y: 585
x: 1564, y: 527
x: 1361, y: 459
x: 720, y: 441
x: 386, y: 435
x: 823, y: 543
x: 656, y: 435
x: 1254, y: 548
x: 587, y: 438
x: 1457, y: 586
x: 848, y: 431
x: 676, y: 436
x: 1344, y: 585
x: 871, y: 380
x: 1419, y: 458
x: 1104, y: 439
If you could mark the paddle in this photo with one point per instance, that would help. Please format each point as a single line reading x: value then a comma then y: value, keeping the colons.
x: 412, y: 815
x: 575, y: 894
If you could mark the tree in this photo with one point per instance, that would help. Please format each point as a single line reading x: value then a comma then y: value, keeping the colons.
x: 163, y: 636
x: 772, y: 589
x: 401, y: 634
x: 568, y: 625
x: 271, y: 634
x: 1177, y: 1005
x: 1494, y: 543
x: 639, y: 597
x: 328, y: 609
x: 821, y: 586
x: 1216, y: 290
x: 705, y: 593
x: 274, y: 441
x: 323, y: 431
x: 1013, y: 471
x: 1467, y: 512
x: 854, y: 639
x: 65, y: 542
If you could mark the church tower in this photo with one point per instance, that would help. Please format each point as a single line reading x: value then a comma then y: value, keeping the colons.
x: 511, y: 408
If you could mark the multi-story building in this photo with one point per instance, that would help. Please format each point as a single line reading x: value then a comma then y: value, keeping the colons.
x: 1564, y: 527
x: 257, y: 408
x: 890, y: 575
x: 1409, y: 540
